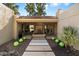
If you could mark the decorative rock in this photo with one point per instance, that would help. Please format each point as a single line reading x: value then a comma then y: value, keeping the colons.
x: 9, y: 53
x: 13, y: 53
x: 3, y: 53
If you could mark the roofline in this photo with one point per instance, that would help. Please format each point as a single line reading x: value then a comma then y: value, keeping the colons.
x: 37, y: 17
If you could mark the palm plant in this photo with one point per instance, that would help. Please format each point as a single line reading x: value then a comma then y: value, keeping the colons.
x: 13, y: 6
x: 30, y: 8
x: 35, y: 9
x: 40, y: 9
x: 70, y: 35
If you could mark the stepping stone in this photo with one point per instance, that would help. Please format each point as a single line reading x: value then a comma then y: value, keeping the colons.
x: 39, y: 38
x: 38, y: 54
x: 38, y: 35
x: 38, y: 48
x: 49, y: 37
x: 38, y: 42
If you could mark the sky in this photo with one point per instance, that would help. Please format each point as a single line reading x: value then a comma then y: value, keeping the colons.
x: 51, y: 8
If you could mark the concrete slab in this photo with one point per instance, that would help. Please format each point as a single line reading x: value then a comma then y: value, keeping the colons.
x: 38, y: 48
x: 48, y: 37
x: 39, y: 42
x: 38, y: 54
x: 36, y: 38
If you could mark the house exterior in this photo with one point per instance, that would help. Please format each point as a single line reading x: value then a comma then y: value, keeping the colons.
x: 42, y: 24
x: 10, y: 25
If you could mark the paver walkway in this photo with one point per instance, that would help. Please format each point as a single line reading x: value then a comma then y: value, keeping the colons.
x: 38, y: 47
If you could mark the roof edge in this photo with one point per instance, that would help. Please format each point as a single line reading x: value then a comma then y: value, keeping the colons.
x: 37, y: 17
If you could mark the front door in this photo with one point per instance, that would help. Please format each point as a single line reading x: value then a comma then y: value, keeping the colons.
x: 39, y: 28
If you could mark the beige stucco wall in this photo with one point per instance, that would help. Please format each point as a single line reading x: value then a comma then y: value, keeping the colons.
x: 69, y: 17
x: 6, y: 24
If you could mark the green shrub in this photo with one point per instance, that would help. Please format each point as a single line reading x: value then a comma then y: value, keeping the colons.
x: 57, y: 40
x: 20, y: 40
x: 61, y: 44
x: 16, y: 43
x: 24, y: 38
x: 53, y: 38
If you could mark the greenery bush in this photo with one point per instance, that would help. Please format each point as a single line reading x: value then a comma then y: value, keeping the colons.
x: 53, y: 38
x: 24, y: 38
x: 16, y: 43
x: 20, y: 40
x: 61, y: 44
x: 69, y: 36
x: 57, y: 40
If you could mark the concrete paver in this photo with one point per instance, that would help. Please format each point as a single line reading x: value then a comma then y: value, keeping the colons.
x: 38, y: 47
x: 38, y: 54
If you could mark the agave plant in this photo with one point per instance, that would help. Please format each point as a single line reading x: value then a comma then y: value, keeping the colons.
x: 69, y: 35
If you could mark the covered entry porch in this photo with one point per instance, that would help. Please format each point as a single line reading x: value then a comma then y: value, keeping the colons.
x: 37, y: 28
x: 35, y: 25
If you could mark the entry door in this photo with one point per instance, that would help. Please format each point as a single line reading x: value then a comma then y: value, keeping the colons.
x: 39, y: 28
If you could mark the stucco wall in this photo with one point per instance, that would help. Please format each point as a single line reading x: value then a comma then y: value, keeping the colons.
x: 6, y: 24
x: 69, y: 17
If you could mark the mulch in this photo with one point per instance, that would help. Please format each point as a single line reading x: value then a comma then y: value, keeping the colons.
x: 17, y: 51
x: 58, y: 51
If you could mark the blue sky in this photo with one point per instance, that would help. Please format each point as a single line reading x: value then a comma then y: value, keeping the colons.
x: 51, y: 8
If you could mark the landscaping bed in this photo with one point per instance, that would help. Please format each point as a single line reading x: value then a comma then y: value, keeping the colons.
x: 8, y: 49
x: 58, y: 51
x: 66, y: 43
